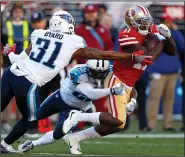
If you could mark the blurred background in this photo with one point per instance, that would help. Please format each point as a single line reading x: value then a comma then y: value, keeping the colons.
x: 160, y: 89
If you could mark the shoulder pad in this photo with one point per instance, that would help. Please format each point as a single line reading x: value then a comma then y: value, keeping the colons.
x: 128, y: 36
x: 76, y: 72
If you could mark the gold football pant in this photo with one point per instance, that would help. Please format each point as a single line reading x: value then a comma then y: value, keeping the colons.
x: 116, y: 103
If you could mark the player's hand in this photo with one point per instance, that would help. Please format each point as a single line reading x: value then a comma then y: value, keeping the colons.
x: 7, y: 49
x: 118, y: 89
x: 164, y: 30
x: 139, y: 57
x: 130, y: 106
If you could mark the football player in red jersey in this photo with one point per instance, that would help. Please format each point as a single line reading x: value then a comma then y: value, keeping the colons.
x: 140, y: 24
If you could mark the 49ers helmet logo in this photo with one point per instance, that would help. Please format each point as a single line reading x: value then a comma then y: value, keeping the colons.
x: 130, y: 12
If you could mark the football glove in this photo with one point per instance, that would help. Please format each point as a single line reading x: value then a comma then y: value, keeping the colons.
x: 164, y: 30
x: 139, y: 57
x: 118, y: 89
x: 130, y: 106
x: 7, y: 49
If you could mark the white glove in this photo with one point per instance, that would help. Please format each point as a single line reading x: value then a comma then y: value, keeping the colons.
x: 118, y: 89
x: 164, y: 30
x: 130, y: 106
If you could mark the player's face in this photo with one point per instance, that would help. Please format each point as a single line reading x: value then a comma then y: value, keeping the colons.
x: 18, y: 14
x: 91, y: 17
x: 144, y: 23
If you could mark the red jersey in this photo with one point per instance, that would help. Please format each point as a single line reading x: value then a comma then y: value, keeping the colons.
x: 127, y: 71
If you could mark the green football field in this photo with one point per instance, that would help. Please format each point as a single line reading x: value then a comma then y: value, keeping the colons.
x: 128, y: 143
x: 115, y: 146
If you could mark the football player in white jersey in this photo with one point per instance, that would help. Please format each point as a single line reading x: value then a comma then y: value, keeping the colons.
x: 77, y: 92
x: 49, y: 52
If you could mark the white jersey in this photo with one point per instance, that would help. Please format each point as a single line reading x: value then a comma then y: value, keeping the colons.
x: 68, y: 91
x: 50, y: 53
x: 73, y: 96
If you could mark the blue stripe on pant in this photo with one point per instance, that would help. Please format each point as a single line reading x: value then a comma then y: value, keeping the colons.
x: 26, y: 94
x: 31, y: 103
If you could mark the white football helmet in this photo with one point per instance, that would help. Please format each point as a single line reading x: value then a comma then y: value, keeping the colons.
x: 63, y: 22
x: 97, y: 71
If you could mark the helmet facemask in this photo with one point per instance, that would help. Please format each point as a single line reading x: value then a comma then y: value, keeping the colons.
x: 97, y: 76
x: 142, y: 24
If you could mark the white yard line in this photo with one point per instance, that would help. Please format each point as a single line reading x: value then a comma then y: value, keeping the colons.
x: 67, y: 154
x: 129, y: 143
x: 125, y: 136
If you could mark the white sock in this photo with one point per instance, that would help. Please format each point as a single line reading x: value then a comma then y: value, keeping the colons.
x: 46, y: 139
x: 89, y: 133
x: 88, y: 117
x: 4, y: 144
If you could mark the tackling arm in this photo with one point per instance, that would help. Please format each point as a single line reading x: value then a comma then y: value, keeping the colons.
x: 92, y: 93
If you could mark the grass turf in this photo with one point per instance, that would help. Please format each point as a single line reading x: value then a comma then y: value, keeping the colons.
x: 114, y: 146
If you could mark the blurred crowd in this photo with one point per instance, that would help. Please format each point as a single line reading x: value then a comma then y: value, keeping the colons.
x: 99, y: 31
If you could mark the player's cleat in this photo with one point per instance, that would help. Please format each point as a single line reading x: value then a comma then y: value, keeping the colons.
x: 70, y: 122
x: 8, y: 149
x: 74, y: 146
x: 26, y: 146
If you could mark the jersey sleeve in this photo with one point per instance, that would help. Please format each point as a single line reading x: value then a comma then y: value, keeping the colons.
x: 79, y: 42
x: 126, y: 37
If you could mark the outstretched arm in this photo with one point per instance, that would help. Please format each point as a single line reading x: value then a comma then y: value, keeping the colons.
x: 93, y: 53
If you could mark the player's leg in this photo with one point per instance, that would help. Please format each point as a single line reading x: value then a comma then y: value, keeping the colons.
x: 116, y: 107
x: 27, y: 101
x: 53, y: 104
x: 6, y: 91
x: 103, y: 118
x: 96, y: 118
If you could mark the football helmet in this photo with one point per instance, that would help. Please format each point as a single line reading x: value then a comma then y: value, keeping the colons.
x: 97, y: 71
x: 140, y: 18
x: 63, y: 22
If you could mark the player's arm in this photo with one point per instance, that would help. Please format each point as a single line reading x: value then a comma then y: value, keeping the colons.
x: 10, y: 51
x: 93, y: 53
x: 96, y: 93
x: 155, y: 51
x: 133, y: 93
x: 170, y: 46
x: 132, y: 104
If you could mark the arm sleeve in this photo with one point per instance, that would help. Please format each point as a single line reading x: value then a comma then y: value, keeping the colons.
x: 14, y: 57
x: 92, y: 93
